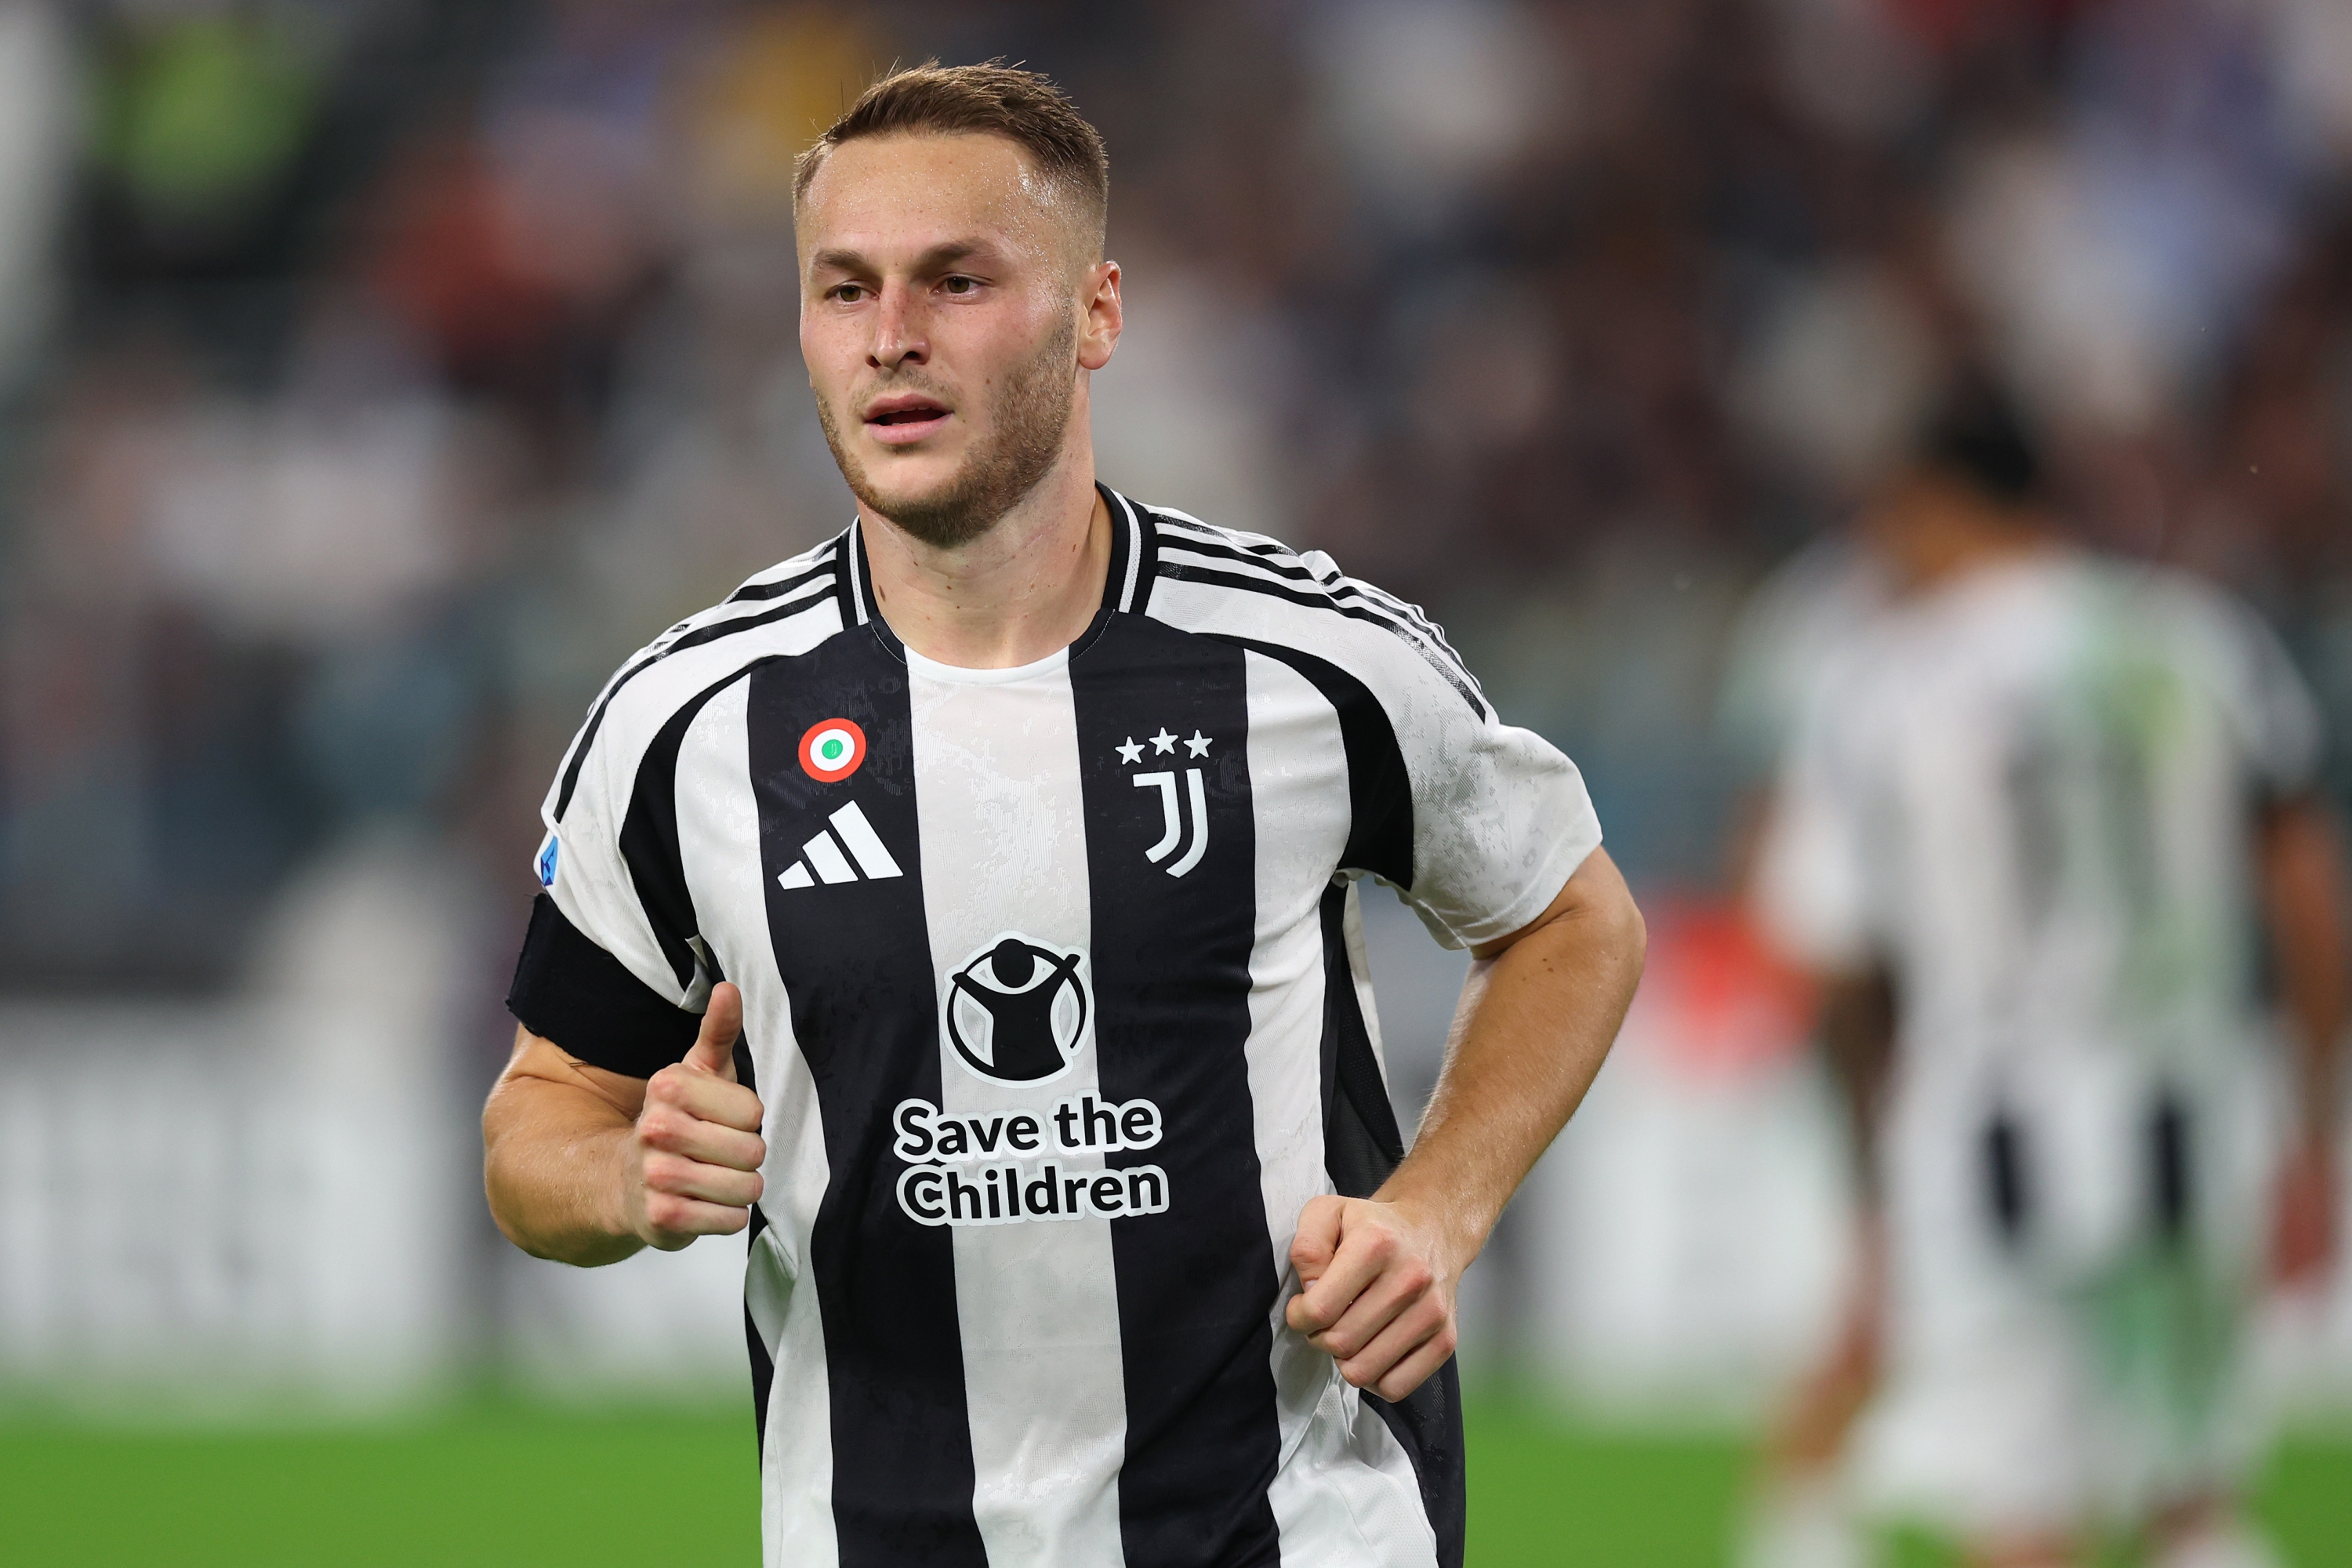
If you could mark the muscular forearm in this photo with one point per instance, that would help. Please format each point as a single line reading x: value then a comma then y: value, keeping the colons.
x: 1378, y: 1276
x: 553, y: 1147
x: 586, y: 1166
x: 1536, y: 1019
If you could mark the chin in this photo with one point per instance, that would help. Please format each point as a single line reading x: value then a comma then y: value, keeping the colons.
x: 910, y: 490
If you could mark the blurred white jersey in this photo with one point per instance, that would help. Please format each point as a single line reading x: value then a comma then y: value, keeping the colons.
x: 2031, y: 796
x: 1794, y: 624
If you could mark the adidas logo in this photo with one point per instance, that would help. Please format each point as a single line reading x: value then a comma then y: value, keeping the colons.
x: 825, y: 853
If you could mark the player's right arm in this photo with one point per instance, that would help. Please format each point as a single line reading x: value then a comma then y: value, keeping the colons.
x: 1856, y: 1024
x: 585, y: 1166
x: 2300, y: 883
x: 2304, y: 907
x: 619, y: 1121
x: 1856, y: 1027
x: 1813, y: 896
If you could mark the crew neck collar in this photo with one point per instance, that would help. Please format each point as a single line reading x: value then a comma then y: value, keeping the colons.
x: 1127, y: 585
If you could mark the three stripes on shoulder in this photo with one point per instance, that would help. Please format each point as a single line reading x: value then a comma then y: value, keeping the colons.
x: 825, y: 853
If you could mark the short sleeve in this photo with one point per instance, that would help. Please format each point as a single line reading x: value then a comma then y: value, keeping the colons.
x: 1813, y: 890
x: 1503, y: 821
x: 569, y: 990
x: 1498, y: 817
x: 2279, y: 721
x: 611, y: 969
x: 1788, y: 632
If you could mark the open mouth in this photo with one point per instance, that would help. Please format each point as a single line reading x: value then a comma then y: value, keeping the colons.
x: 906, y: 418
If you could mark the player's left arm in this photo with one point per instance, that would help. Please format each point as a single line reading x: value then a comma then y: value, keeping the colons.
x: 1538, y: 1013
x: 2304, y: 899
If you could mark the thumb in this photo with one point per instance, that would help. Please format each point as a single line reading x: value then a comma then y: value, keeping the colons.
x: 713, y: 1050
x: 1318, y: 1239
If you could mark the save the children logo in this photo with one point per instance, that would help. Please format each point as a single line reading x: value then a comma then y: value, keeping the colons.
x: 1017, y: 1010
x: 1015, y: 1165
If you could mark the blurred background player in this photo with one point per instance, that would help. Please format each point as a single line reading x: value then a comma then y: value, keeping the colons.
x: 2038, y: 817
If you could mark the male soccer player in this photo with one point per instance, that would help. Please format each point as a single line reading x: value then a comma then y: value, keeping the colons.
x: 2035, y: 820
x: 1016, y: 830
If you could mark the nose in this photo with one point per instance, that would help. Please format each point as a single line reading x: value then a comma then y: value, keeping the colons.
x: 899, y: 337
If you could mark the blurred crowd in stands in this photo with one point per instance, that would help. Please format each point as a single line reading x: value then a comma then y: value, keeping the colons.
x: 374, y: 375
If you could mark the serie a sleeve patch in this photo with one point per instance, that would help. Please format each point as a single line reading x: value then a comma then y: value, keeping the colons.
x: 569, y: 990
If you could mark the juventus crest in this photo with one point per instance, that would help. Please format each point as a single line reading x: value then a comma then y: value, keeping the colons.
x: 1183, y: 797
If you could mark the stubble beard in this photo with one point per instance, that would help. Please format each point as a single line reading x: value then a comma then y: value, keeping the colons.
x: 1030, y: 418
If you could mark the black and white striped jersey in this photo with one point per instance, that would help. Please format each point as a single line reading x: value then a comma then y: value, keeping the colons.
x: 1055, y: 998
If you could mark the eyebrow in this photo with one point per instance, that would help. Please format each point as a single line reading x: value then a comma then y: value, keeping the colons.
x: 938, y: 256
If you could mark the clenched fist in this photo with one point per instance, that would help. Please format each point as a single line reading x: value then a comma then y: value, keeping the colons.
x: 1376, y: 1291
x: 690, y: 1165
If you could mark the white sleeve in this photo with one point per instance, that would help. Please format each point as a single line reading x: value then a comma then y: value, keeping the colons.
x: 1502, y: 822
x: 1812, y: 892
x: 584, y: 862
x: 2280, y: 726
x: 1476, y: 823
x: 1499, y: 818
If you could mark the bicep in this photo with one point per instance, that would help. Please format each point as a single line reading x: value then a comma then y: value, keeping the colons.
x: 1594, y: 898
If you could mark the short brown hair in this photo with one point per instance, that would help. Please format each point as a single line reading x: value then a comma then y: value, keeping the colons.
x: 995, y: 99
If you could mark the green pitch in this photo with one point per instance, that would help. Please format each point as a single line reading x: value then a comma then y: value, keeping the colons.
x: 517, y: 1485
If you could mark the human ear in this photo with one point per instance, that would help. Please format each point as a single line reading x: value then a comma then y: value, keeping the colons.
x: 1104, y: 318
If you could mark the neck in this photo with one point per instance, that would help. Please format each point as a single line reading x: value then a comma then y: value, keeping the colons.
x: 1942, y: 549
x: 1019, y: 593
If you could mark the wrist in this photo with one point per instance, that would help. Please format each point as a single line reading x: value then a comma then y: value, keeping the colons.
x: 1451, y: 1218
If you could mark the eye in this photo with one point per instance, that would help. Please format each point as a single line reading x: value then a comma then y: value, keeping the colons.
x: 847, y: 293
x: 960, y: 284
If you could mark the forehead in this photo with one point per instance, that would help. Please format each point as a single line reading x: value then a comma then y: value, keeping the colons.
x: 906, y: 192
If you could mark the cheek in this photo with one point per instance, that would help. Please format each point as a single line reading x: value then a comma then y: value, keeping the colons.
x: 828, y: 352
x: 1008, y: 345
